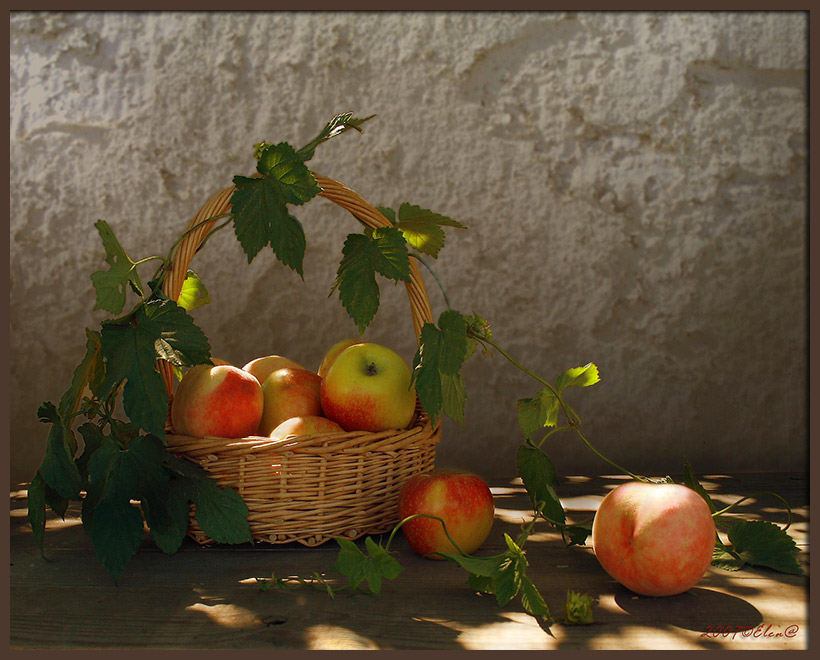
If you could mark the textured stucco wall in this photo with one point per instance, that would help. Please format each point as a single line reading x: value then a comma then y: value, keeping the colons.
x: 633, y: 183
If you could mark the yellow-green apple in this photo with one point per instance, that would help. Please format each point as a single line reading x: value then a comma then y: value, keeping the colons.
x: 655, y: 539
x: 289, y: 393
x: 217, y: 400
x: 305, y: 425
x: 368, y: 388
x: 263, y: 367
x: 461, y: 499
x: 333, y: 353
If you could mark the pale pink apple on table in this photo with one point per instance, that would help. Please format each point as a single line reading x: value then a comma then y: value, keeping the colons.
x: 333, y: 353
x: 305, y: 425
x: 263, y: 367
x: 368, y: 388
x: 219, y: 400
x: 289, y: 393
x: 463, y: 500
x: 655, y: 539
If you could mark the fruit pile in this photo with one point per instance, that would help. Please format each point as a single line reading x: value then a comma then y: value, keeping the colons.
x: 359, y: 386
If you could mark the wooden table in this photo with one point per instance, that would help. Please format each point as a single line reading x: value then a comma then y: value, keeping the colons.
x: 209, y: 598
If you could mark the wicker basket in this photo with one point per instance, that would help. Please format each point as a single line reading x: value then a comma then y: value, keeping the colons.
x: 309, y: 489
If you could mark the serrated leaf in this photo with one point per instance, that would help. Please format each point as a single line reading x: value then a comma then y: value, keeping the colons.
x: 578, y: 377
x: 168, y: 519
x: 159, y: 329
x: 437, y: 364
x: 453, y: 397
x: 506, y: 581
x: 135, y: 472
x: 351, y: 562
x: 221, y: 512
x: 761, y: 543
x: 88, y: 374
x: 116, y: 533
x: 481, y: 583
x: 336, y: 126
x: 577, y: 534
x: 478, y: 566
x: 259, y: 206
x: 110, y: 284
x: 58, y: 469
x: 380, y: 565
x: 540, y: 477
x: 422, y: 228
x: 193, y: 294
x: 382, y: 251
x: 532, y: 600
x: 578, y: 609
x: 538, y: 412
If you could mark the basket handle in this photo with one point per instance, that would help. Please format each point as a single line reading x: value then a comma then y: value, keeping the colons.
x: 220, y: 204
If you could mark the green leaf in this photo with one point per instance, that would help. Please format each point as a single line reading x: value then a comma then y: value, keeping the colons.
x: 110, y: 284
x: 422, y: 228
x: 193, y: 294
x: 532, y: 600
x: 89, y: 373
x: 131, y: 346
x: 478, y: 566
x: 691, y: 481
x: 168, y: 519
x: 221, y: 512
x: 577, y: 534
x: 135, y: 472
x: 723, y: 558
x: 259, y: 205
x: 506, y: 581
x: 537, y: 412
x: 380, y: 565
x: 761, y: 543
x: 58, y: 469
x: 351, y: 562
x: 382, y: 251
x: 336, y: 126
x: 116, y: 533
x: 539, y: 477
x: 437, y: 364
x: 578, y: 377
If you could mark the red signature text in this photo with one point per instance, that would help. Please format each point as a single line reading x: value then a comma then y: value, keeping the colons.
x: 762, y: 631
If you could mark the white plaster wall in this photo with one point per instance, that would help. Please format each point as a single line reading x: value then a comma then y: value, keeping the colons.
x: 633, y: 183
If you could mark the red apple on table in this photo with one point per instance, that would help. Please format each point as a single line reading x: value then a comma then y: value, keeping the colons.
x: 461, y: 499
x: 217, y: 400
x: 289, y: 393
x: 367, y: 388
x: 655, y: 539
x: 305, y: 425
x: 333, y: 353
x: 263, y: 367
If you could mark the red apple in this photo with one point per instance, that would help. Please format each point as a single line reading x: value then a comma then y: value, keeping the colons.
x: 222, y: 401
x: 333, y: 353
x: 289, y: 393
x: 461, y: 499
x: 367, y: 388
x: 263, y: 367
x: 655, y: 539
x: 305, y: 425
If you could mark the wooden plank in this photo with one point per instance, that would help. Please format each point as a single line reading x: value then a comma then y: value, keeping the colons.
x: 210, y: 598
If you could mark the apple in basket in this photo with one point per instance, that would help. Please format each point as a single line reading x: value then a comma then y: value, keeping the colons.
x: 217, y: 400
x: 305, y: 425
x: 262, y: 367
x: 333, y: 353
x: 368, y: 388
x: 289, y: 393
x: 462, y: 500
x: 655, y: 539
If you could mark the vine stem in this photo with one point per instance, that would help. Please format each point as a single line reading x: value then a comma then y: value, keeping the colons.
x: 435, y: 276
x: 573, y: 419
x: 748, y: 497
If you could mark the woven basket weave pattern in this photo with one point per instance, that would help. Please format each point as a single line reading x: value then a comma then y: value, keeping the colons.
x: 309, y: 489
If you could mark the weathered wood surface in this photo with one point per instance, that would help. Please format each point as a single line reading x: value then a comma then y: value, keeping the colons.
x: 209, y: 598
